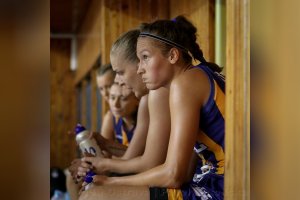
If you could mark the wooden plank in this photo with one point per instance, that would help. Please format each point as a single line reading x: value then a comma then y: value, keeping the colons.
x: 144, y: 13
x: 105, y: 32
x: 105, y: 41
x: 62, y: 105
x: 134, y: 14
x: 115, y: 24
x: 237, y: 139
x: 89, y: 41
x: 83, y: 120
x: 126, y: 18
x: 163, y: 9
x: 94, y: 100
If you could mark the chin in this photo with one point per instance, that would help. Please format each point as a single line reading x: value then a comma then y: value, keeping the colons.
x: 137, y: 95
x: 151, y: 86
x: 117, y: 115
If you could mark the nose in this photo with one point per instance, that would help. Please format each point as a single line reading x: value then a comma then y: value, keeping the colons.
x: 140, y: 70
x: 106, y: 92
x: 118, y: 80
x: 117, y: 102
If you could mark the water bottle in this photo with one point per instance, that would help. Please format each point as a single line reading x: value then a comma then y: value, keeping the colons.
x: 86, y: 144
x: 89, y: 179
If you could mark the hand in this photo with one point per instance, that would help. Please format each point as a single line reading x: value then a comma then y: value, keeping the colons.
x: 84, y: 168
x: 98, y: 180
x: 74, y: 169
x: 97, y: 163
x: 106, y: 154
x: 101, y: 180
x: 101, y: 141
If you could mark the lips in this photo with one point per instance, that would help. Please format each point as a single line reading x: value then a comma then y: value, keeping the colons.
x: 144, y: 80
x: 117, y: 111
x: 130, y: 88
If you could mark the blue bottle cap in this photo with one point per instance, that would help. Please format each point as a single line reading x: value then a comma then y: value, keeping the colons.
x: 79, y: 128
x: 89, y: 177
x: 91, y: 173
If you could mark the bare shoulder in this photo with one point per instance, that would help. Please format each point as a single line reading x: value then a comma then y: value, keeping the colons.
x: 143, y: 105
x: 159, y: 95
x: 108, y: 115
x: 143, y: 112
x: 192, y: 84
x: 159, y: 101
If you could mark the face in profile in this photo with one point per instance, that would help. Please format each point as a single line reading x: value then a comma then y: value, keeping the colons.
x: 122, y: 101
x: 126, y: 74
x: 154, y: 67
x: 104, y: 83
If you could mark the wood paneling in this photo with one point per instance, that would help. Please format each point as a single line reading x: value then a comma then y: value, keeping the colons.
x: 201, y: 14
x: 237, y: 140
x: 89, y: 40
x: 62, y: 117
x: 67, y: 15
x: 94, y: 100
x: 83, y: 119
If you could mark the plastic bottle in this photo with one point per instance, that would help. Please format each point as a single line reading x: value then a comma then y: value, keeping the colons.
x: 86, y: 144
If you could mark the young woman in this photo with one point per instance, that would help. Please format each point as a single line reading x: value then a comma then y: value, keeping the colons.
x: 118, y: 124
x: 165, y: 49
x: 123, y: 106
x: 125, y: 63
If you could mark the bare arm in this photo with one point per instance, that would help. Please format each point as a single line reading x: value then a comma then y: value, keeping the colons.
x: 185, y: 104
x: 157, y: 139
x: 137, y: 144
x: 112, y: 147
x: 107, y: 129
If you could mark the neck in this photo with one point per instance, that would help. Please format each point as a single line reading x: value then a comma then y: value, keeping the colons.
x: 128, y: 122
x: 179, y: 68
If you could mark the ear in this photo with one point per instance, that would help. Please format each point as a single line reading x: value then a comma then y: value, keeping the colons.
x: 173, y: 55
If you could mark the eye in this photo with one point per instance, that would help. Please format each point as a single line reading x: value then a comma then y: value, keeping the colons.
x: 120, y: 72
x: 123, y: 98
x: 145, y: 57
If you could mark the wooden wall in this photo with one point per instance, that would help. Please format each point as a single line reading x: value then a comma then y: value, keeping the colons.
x: 62, y: 105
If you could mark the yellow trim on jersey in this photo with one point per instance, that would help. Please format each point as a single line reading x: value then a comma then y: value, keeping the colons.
x: 174, y: 194
x: 124, y: 138
x: 215, y: 148
x: 220, y: 99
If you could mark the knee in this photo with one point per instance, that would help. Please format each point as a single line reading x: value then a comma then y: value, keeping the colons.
x: 84, y: 195
x: 91, y: 194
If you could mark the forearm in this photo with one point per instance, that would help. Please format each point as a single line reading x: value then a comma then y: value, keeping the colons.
x: 115, y: 148
x: 160, y: 176
x: 133, y: 151
x: 134, y: 165
x: 112, y: 147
